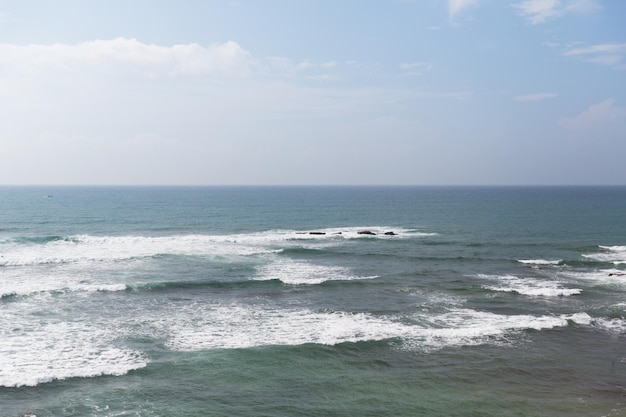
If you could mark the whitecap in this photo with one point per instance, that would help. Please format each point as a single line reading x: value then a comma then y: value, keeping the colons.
x: 57, y: 350
x: 241, y: 326
x: 238, y: 326
x: 467, y: 327
x: 598, y: 276
x: 540, y: 261
x: 28, y: 282
x: 87, y: 248
x: 528, y: 286
x: 612, y: 325
x: 304, y: 273
x: 531, y: 287
x: 612, y: 254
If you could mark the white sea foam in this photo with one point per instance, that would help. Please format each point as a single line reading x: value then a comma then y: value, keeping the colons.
x: 241, y: 327
x: 528, y: 286
x: 80, y: 255
x: 613, y: 254
x: 614, y: 248
x: 36, y: 286
x: 22, y: 282
x: 237, y: 326
x: 462, y: 327
x: 599, y: 276
x: 540, y: 261
x: 614, y: 325
x: 113, y: 248
x: 53, y: 350
x: 35, y: 352
x: 300, y: 272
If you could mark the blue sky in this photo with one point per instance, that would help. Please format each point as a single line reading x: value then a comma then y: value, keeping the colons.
x: 313, y: 92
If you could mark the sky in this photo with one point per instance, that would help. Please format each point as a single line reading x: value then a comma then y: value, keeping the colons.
x: 313, y: 92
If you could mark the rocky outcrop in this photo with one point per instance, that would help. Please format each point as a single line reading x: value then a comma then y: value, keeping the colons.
x: 360, y: 232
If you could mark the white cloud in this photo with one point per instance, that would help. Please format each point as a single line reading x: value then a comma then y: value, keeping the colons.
x: 304, y: 65
x: 609, y: 54
x: 415, y: 68
x: 286, y: 67
x: 539, y: 11
x: 167, y: 114
x: 596, y: 49
x: 599, y: 121
x: 583, y: 6
x: 535, y: 97
x: 457, y: 6
x: 322, y: 77
x: 413, y: 65
x: 131, y: 54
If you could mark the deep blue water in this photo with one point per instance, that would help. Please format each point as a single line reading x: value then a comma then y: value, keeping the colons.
x: 220, y: 301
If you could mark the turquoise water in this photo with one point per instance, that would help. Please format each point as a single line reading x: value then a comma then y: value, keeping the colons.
x: 198, y: 301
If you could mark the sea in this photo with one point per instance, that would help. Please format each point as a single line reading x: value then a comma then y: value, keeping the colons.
x: 312, y: 301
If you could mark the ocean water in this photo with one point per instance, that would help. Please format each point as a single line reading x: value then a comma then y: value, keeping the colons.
x: 220, y: 301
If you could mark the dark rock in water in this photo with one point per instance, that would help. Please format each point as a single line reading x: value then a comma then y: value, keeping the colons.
x: 390, y: 233
x: 317, y: 233
x: 366, y: 232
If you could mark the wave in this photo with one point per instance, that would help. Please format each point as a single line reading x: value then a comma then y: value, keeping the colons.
x: 614, y: 248
x: 614, y: 325
x: 304, y: 273
x: 584, y: 264
x: 466, y: 327
x: 86, y: 248
x: 236, y: 326
x: 55, y: 350
x: 30, y: 251
x: 22, y: 288
x: 17, y: 285
x: 60, y: 350
x: 528, y: 286
x: 35, y: 239
x: 610, y: 277
x: 609, y: 254
x: 540, y: 261
x: 279, y: 273
x: 184, y: 285
x: 283, y: 271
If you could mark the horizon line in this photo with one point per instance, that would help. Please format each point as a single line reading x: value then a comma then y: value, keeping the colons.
x: 181, y: 185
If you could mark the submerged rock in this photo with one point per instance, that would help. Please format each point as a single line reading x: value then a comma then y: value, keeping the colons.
x: 366, y: 232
